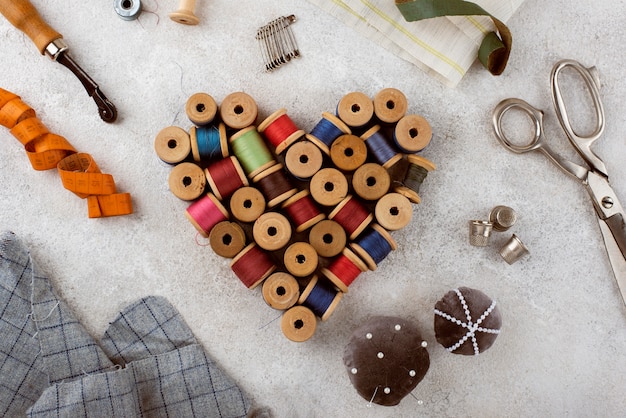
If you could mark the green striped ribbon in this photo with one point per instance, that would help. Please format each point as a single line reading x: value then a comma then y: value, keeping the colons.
x: 494, y: 50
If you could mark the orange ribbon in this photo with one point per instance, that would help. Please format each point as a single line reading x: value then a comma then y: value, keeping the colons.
x: 78, y: 171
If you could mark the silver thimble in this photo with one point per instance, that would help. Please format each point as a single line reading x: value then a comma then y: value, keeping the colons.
x: 513, y: 250
x: 479, y: 233
x: 502, y: 218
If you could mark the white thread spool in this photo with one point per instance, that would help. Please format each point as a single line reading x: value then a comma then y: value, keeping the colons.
x: 185, y: 13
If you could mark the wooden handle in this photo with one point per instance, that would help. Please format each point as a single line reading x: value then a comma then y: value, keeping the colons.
x: 23, y: 15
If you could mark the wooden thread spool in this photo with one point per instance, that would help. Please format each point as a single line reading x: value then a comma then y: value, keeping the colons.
x: 302, y: 210
x: 275, y: 185
x: 356, y: 109
x: 280, y: 130
x: 329, y: 186
x: 247, y: 204
x: 414, y: 177
x: 344, y: 269
x: 412, y: 134
x: 281, y: 290
x: 251, y: 151
x: 172, y: 144
x: 328, y: 238
x: 252, y: 265
x: 352, y: 216
x: 348, y: 152
x: 227, y: 239
x: 238, y: 110
x: 320, y: 297
x: 187, y: 181
x: 208, y: 142
x: 303, y: 159
x: 375, y: 244
x: 390, y: 105
x: 185, y: 13
x: 298, y: 323
x: 205, y: 213
x: 225, y: 177
x: 380, y: 148
x: 271, y: 231
x: 393, y: 211
x: 201, y: 108
x: 326, y: 131
x: 300, y: 259
x: 371, y: 181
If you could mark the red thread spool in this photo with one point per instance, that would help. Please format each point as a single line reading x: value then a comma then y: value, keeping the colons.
x: 344, y: 269
x: 352, y: 215
x: 225, y: 177
x: 302, y: 210
x: 252, y: 265
x: 280, y: 130
x: 275, y: 185
x: 205, y: 213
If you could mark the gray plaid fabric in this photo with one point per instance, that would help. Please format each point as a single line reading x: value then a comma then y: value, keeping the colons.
x: 147, y: 364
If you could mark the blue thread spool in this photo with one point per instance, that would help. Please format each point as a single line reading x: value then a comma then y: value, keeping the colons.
x: 209, y: 142
x: 374, y: 246
x: 320, y: 297
x: 326, y: 131
x: 380, y: 148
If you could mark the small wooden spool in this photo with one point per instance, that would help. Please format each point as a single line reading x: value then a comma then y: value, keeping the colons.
x: 290, y: 139
x: 201, y: 109
x: 247, y: 204
x: 371, y: 263
x: 194, y: 142
x: 185, y: 13
x: 271, y: 231
x: 412, y: 133
x: 307, y: 292
x: 371, y: 181
x: 348, y: 152
x: 329, y: 186
x: 238, y: 110
x: 205, y: 213
x: 301, y: 259
x: 281, y: 290
x: 393, y: 211
x: 407, y: 192
x: 227, y: 239
x: 328, y: 238
x: 298, y: 323
x: 187, y: 181
x: 172, y: 144
x: 234, y: 166
x: 285, y: 191
x: 390, y: 105
x: 339, y: 124
x: 355, y: 109
x: 303, y: 159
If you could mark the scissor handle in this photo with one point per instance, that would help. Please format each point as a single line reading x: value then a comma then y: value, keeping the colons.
x: 536, y: 116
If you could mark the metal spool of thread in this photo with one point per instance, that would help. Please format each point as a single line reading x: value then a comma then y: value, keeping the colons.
x: 371, y: 181
x: 393, y: 211
x: 252, y: 265
x: 127, y: 9
x: 272, y: 231
x: 227, y: 239
x: 328, y: 238
x: 344, y: 269
x: 298, y: 323
x: 412, y: 134
x: 205, y: 213
x: 348, y: 152
x: 238, y: 110
x: 328, y: 186
x: 247, y: 204
x: 251, y: 151
x: 187, y: 181
x: 374, y: 246
x: 352, y: 216
x: 281, y: 290
x: 208, y: 142
x: 280, y: 130
x: 302, y: 211
x: 326, y: 131
x: 201, y: 108
x: 225, y: 177
x: 172, y: 144
x: 390, y: 105
x: 417, y: 171
x: 380, y: 147
x: 356, y: 109
x: 321, y: 297
x: 275, y: 185
x: 303, y: 159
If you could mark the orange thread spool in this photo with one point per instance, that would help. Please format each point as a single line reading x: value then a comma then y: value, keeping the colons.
x: 252, y: 265
x: 280, y: 130
x: 344, y: 269
x: 225, y: 177
x: 352, y: 216
x: 302, y: 210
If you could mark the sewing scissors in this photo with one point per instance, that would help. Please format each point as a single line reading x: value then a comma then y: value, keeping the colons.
x: 595, y: 178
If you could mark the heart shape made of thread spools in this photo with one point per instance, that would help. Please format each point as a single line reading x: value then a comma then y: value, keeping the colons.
x: 301, y: 214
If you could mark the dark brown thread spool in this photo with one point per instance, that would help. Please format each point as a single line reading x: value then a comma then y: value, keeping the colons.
x: 275, y: 185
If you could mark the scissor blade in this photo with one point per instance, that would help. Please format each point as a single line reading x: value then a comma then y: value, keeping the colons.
x: 618, y: 262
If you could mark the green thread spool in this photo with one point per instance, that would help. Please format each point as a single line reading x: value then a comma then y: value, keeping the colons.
x: 416, y: 173
x: 251, y: 151
x: 415, y: 176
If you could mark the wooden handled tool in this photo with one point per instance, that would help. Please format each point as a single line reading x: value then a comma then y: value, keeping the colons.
x: 23, y: 15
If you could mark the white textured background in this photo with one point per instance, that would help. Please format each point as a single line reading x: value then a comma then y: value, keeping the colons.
x: 561, y: 351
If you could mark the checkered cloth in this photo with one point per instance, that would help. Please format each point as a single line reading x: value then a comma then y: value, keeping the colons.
x: 147, y: 364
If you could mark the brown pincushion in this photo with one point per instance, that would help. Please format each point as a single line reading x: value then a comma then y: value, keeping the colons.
x: 467, y: 321
x: 386, y: 358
